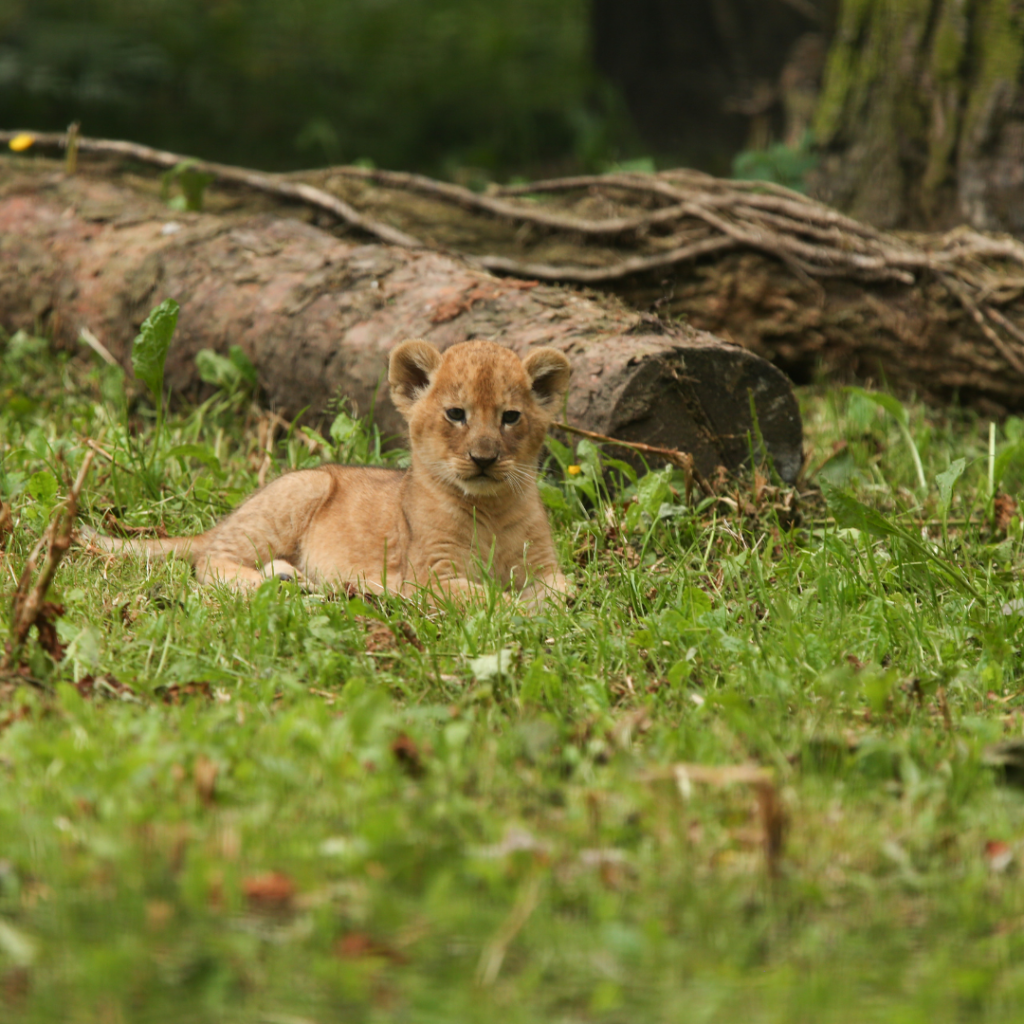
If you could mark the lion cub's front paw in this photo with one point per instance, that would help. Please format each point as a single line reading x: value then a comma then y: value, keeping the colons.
x: 279, y: 569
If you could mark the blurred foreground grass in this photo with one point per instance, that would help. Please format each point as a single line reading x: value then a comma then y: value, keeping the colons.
x: 290, y: 808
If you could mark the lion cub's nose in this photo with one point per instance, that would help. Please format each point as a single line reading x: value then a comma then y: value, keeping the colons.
x: 483, y: 461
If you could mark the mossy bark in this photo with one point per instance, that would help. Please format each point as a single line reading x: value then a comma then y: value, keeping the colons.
x: 921, y: 116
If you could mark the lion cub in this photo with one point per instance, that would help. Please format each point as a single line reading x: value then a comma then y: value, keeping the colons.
x: 467, y: 506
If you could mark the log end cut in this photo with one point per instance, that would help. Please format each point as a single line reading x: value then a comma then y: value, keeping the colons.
x: 719, y: 402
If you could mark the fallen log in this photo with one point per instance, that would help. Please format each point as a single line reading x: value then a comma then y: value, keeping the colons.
x: 811, y: 289
x: 318, y: 314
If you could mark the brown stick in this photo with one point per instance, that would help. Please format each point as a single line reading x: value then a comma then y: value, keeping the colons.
x: 29, y: 598
x: 6, y: 525
x: 681, y: 460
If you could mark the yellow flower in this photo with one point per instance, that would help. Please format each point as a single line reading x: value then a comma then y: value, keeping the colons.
x: 22, y: 141
x: 573, y: 470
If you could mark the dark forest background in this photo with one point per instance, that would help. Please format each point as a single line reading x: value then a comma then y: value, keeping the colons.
x: 464, y: 89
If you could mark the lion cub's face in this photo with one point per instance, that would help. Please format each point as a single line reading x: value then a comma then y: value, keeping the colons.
x: 477, y: 414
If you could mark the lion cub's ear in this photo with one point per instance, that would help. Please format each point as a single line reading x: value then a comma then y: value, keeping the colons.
x: 549, y: 372
x: 412, y: 366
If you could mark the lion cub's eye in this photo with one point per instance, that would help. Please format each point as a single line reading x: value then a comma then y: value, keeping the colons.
x: 456, y: 415
x: 510, y: 417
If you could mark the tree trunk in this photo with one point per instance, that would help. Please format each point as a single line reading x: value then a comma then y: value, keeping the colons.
x: 318, y: 315
x: 921, y: 116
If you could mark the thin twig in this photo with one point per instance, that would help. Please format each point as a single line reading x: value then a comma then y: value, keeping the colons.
x: 88, y: 338
x: 29, y: 597
x: 681, y: 460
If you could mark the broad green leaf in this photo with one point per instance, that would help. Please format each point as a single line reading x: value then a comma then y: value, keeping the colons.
x: 891, y: 405
x: 946, y: 481
x: 852, y: 514
x: 652, y: 490
x: 623, y: 467
x: 193, y: 185
x: 200, y: 452
x: 561, y: 452
x: 487, y: 666
x: 192, y: 182
x: 227, y: 372
x: 343, y: 427
x: 588, y: 456
x: 149, y: 350
x: 540, y: 683
x: 1010, y: 454
x: 695, y: 602
x: 899, y: 414
x: 215, y: 369
x: 552, y: 496
x: 42, y: 486
x: 243, y: 364
x: 849, y: 513
x: 878, y: 690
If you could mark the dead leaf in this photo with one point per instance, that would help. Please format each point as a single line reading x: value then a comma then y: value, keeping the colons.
x: 457, y: 301
x: 178, y: 693
x: 272, y: 891
x: 378, y: 637
x: 1006, y: 510
x: 158, y: 914
x: 356, y: 945
x: 15, y: 985
x: 998, y: 856
x: 204, y: 774
x: 104, y: 686
x: 407, y: 754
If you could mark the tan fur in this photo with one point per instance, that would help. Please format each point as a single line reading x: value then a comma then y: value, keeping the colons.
x: 467, y: 506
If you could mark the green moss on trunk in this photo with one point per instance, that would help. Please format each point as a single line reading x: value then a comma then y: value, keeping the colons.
x: 914, y: 92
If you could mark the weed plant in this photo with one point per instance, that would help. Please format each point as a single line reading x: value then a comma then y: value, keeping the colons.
x: 292, y: 807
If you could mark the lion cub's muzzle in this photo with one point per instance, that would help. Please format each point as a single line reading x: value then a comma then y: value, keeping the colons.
x: 484, y: 453
x: 483, y: 462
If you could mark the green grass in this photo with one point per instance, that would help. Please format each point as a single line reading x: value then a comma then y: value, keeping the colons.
x: 278, y: 808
